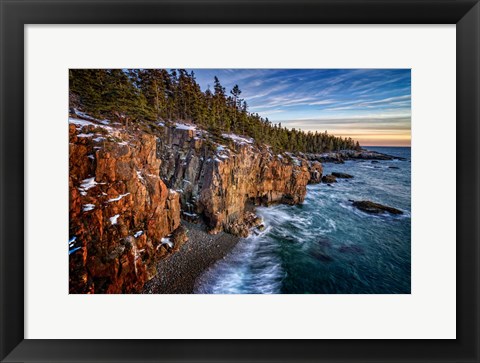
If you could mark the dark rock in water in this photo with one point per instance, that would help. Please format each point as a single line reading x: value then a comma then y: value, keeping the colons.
x: 375, y: 208
x: 351, y: 249
x: 342, y: 175
x: 330, y: 185
x: 261, y: 227
x: 374, y: 161
x: 393, y: 167
x: 321, y: 256
x: 329, y: 179
x: 324, y: 242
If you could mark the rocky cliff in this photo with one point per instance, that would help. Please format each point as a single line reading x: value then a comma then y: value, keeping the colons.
x: 219, y: 179
x: 130, y: 188
x: 120, y: 209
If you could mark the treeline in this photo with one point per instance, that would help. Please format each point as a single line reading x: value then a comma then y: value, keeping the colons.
x: 153, y: 95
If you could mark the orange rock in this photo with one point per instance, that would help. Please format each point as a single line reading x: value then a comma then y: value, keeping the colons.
x: 125, y: 196
x: 128, y: 191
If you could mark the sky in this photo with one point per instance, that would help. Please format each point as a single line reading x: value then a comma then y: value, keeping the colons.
x: 372, y: 106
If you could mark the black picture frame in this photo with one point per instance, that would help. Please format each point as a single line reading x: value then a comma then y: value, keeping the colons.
x: 15, y: 14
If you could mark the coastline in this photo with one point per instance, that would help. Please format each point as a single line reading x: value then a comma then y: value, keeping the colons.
x: 178, y: 273
x: 317, y: 256
x: 147, y: 164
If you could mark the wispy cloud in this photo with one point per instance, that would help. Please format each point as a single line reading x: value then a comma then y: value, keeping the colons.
x: 347, y: 101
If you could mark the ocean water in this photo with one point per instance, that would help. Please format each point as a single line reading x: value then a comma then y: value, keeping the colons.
x: 325, y: 245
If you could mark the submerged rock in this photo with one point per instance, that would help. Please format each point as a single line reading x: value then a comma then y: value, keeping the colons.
x: 324, y: 242
x: 342, y: 175
x: 321, y: 256
x: 351, y: 249
x: 393, y: 167
x: 375, y: 208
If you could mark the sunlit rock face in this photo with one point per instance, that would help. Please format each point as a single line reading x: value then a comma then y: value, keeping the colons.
x: 129, y: 189
x: 120, y: 210
x: 219, y: 178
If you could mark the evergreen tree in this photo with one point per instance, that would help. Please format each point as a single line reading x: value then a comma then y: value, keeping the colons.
x: 146, y: 95
x: 235, y: 92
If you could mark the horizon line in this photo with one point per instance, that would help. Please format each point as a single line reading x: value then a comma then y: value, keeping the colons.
x: 385, y: 145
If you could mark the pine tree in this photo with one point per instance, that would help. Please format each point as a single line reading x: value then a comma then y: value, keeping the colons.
x: 235, y: 92
x: 153, y: 94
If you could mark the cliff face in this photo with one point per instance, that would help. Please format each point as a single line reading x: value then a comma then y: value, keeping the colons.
x: 129, y: 190
x: 120, y: 210
x: 217, y: 180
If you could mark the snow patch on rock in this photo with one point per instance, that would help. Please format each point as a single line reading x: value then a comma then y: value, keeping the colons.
x: 180, y: 126
x: 114, y: 219
x: 88, y: 207
x: 238, y: 139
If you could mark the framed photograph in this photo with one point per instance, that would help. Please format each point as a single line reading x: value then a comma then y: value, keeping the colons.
x: 240, y: 181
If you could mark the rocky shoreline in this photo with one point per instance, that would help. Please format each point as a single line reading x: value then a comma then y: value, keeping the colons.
x: 178, y: 273
x: 133, y: 189
x: 339, y: 157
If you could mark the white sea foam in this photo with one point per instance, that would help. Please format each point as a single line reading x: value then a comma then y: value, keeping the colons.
x: 251, y: 268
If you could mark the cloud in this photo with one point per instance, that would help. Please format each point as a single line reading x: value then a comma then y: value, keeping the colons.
x: 268, y: 112
x: 386, y: 123
x: 356, y: 101
x: 322, y: 102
